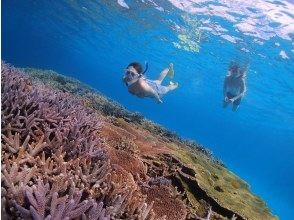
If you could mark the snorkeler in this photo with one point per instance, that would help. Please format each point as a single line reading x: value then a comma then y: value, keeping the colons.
x: 234, y: 86
x: 142, y: 87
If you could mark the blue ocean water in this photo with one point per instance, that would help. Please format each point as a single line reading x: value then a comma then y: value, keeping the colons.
x: 94, y: 41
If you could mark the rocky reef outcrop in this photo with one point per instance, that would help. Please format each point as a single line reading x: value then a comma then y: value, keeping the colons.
x: 68, y: 152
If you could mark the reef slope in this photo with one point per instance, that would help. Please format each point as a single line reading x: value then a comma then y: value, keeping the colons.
x: 70, y: 152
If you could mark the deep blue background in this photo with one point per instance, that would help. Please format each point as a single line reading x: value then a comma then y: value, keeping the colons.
x: 94, y: 41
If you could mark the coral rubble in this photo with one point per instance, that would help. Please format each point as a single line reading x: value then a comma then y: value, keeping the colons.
x: 70, y: 153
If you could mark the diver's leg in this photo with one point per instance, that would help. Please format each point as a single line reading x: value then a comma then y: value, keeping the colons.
x: 148, y: 90
x: 236, y: 104
x: 172, y: 86
x: 235, y: 107
x: 162, y: 90
x: 167, y: 71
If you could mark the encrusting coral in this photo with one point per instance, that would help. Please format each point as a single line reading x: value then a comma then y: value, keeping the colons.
x: 68, y: 152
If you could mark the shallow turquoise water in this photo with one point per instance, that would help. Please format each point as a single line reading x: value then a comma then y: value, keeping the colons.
x: 95, y: 40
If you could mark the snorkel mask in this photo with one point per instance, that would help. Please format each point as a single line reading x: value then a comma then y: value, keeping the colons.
x: 237, y: 70
x: 234, y: 70
x: 237, y: 74
x: 131, y: 70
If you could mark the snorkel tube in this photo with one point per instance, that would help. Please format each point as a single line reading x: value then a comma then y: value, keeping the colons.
x: 146, y: 68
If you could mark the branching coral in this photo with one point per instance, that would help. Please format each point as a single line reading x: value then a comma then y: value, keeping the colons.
x: 54, y: 165
x: 159, y: 181
x: 15, y: 178
x: 44, y: 205
x: 209, y: 215
x: 12, y: 142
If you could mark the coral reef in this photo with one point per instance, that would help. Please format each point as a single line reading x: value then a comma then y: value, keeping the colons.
x: 54, y: 165
x: 97, y: 101
x: 70, y: 153
x: 91, y: 96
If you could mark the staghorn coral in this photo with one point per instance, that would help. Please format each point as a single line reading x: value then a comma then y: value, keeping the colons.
x: 12, y: 142
x: 210, y: 214
x: 159, y: 181
x: 15, y: 178
x: 54, y: 163
x: 45, y: 205
x: 122, y: 199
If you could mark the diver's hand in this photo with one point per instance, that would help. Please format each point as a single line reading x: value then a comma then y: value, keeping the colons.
x: 232, y: 100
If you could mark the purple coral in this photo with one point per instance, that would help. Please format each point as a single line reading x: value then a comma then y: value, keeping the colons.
x: 161, y: 180
x: 45, y: 205
x: 53, y: 163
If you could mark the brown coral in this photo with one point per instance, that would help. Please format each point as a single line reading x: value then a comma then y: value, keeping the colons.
x: 130, y: 163
x: 166, y: 203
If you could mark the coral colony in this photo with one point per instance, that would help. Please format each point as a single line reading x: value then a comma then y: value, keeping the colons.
x: 54, y: 165
x: 70, y: 153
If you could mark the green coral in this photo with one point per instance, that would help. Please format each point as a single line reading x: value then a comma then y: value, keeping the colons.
x: 58, y: 81
x: 224, y: 186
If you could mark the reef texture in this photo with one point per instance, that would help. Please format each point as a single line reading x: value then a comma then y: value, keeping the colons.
x: 70, y: 153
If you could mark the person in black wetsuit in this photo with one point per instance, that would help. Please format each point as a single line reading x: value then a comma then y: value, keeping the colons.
x: 234, y: 86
